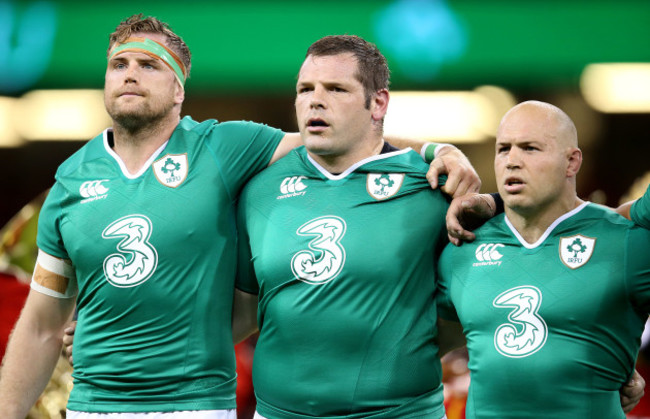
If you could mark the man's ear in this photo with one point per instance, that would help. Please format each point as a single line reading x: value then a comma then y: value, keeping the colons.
x: 179, y: 93
x: 379, y: 104
x: 575, y: 161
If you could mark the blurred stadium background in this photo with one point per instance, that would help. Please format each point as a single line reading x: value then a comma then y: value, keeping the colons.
x: 457, y: 66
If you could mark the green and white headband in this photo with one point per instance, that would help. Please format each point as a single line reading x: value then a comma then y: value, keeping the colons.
x: 155, y: 50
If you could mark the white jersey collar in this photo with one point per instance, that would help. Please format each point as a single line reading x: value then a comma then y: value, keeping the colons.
x: 548, y: 230
x: 355, y: 165
x: 119, y: 161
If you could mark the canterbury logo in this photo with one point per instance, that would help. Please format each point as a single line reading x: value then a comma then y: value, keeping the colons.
x: 292, y: 186
x: 92, y: 190
x: 487, y: 254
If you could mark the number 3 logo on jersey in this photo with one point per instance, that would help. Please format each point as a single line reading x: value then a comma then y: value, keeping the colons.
x: 142, y: 256
x: 526, y: 333
x: 321, y: 268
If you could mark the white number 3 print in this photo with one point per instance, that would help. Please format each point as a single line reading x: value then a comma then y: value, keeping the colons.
x: 137, y: 258
x: 325, y: 259
x: 527, y: 332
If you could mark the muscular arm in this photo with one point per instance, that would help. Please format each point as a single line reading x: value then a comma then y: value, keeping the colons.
x: 33, y: 350
x: 244, y: 315
x: 289, y: 142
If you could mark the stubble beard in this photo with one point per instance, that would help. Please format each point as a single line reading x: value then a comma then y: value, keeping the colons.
x: 140, y: 118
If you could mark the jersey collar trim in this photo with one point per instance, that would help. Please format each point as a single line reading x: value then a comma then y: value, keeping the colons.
x: 548, y: 231
x: 355, y: 165
x: 120, y: 163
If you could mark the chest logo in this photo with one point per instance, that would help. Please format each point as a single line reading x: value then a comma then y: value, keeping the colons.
x: 326, y: 256
x: 384, y: 185
x: 488, y: 254
x: 137, y: 258
x: 171, y: 169
x: 92, y: 190
x: 526, y: 332
x: 292, y: 186
x: 576, y: 250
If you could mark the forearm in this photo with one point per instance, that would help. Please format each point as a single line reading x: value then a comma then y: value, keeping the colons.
x: 31, y: 356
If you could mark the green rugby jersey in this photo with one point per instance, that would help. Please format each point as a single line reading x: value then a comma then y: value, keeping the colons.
x: 155, y: 260
x: 640, y: 211
x: 552, y: 328
x: 345, y: 270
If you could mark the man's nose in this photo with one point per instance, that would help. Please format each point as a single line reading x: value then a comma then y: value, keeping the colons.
x: 318, y: 98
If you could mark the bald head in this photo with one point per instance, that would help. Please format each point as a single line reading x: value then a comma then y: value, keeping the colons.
x: 542, y: 118
x: 536, y: 162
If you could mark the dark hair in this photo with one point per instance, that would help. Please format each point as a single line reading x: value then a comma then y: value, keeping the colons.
x: 140, y: 24
x: 372, y: 71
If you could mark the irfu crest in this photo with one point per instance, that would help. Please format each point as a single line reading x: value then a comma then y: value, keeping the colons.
x: 171, y: 169
x: 384, y: 185
x: 576, y: 250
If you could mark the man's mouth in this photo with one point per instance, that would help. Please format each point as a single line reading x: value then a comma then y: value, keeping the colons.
x: 130, y: 94
x: 317, y: 122
x: 316, y: 125
x: 514, y: 184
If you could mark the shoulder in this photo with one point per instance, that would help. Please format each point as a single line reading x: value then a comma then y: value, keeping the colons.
x: 604, y: 216
x: 407, y: 159
x: 225, y: 129
x: 493, y: 229
x: 406, y: 166
x: 270, y: 179
x: 91, y: 151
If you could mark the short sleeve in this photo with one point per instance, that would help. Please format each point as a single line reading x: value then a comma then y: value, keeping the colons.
x: 49, y: 237
x: 640, y: 211
x: 242, y: 149
x: 446, y: 309
x: 637, y: 266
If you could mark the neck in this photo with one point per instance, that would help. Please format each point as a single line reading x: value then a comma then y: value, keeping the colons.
x: 340, y: 163
x: 135, y: 147
x: 531, y: 224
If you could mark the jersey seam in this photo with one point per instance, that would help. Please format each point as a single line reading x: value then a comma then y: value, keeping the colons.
x: 219, y: 169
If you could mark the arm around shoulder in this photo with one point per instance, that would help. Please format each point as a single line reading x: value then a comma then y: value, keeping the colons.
x: 289, y: 142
